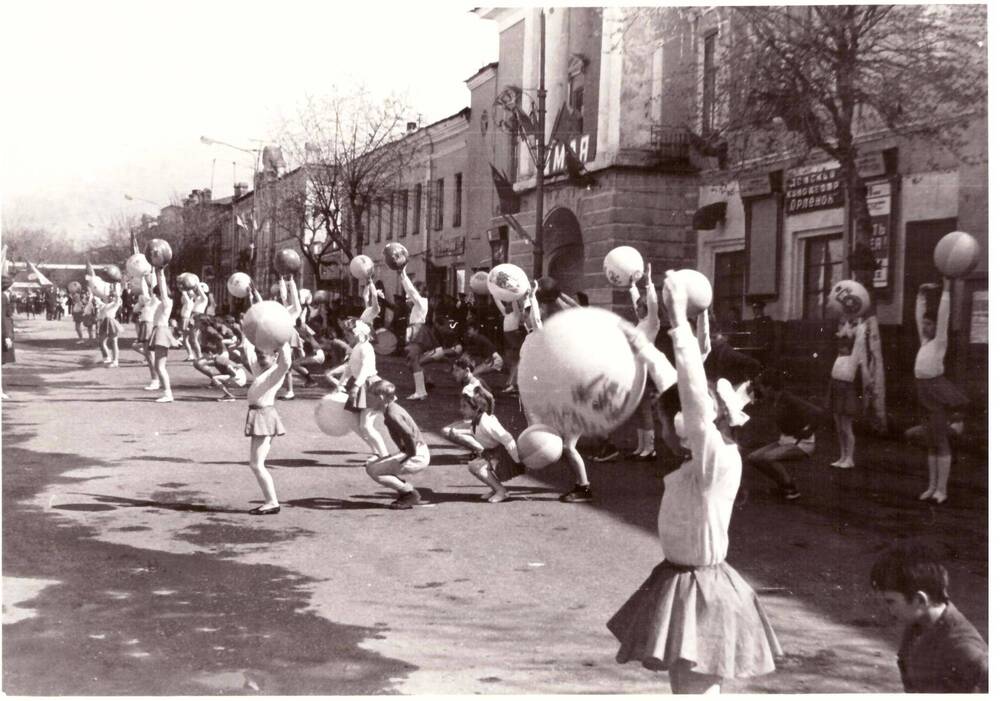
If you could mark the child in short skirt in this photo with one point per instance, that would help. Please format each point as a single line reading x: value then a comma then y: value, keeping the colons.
x: 845, y: 398
x: 263, y: 422
x: 694, y: 616
x: 938, y: 397
x: 361, y: 375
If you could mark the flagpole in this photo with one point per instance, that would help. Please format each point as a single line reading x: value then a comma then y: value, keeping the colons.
x: 538, y: 261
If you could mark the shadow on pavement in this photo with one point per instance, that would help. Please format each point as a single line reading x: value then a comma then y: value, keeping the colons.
x: 124, y: 620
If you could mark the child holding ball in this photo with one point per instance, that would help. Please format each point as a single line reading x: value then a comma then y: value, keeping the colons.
x: 937, y: 396
x: 694, y: 616
x: 263, y: 422
x: 844, y: 396
x: 412, y: 456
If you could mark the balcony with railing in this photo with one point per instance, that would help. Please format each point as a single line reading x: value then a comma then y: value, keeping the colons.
x: 671, y: 146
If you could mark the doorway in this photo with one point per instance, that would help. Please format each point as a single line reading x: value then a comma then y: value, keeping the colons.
x: 564, y: 250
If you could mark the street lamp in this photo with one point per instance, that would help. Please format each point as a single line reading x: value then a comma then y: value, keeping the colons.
x: 132, y: 198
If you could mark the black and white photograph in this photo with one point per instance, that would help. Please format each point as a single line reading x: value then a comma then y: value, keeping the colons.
x: 386, y: 348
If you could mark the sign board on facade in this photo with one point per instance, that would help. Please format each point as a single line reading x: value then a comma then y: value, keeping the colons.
x: 556, y: 162
x: 755, y: 185
x: 880, y: 208
x: 813, y: 187
x: 979, y: 323
x: 870, y: 165
x: 454, y: 246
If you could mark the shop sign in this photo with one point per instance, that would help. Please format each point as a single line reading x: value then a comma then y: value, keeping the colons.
x: 880, y: 208
x: 870, y: 165
x: 813, y: 187
x: 454, y: 246
x: 755, y: 185
x: 980, y: 322
x: 556, y: 162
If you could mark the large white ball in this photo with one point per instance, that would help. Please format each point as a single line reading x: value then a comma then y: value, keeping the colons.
x: 331, y: 416
x: 305, y: 297
x: 848, y: 298
x: 623, y: 266
x: 137, y: 265
x: 579, y: 375
x: 101, y: 288
x: 268, y: 326
x: 699, y: 291
x: 956, y: 254
x: 539, y: 446
x: 507, y: 282
x: 238, y: 285
x: 362, y: 267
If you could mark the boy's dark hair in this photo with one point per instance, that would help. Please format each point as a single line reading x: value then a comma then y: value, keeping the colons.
x: 480, y: 400
x: 465, y: 362
x: 909, y: 569
x: 384, y: 389
x: 771, y: 378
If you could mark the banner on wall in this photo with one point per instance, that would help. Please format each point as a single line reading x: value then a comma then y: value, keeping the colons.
x: 880, y: 208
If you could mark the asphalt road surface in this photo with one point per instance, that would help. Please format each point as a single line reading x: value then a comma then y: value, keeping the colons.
x: 130, y: 565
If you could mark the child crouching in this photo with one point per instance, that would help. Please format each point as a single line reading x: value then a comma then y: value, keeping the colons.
x: 413, y: 454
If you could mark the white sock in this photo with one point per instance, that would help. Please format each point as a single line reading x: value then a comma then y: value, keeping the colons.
x: 648, y: 441
x: 418, y: 381
x: 943, y: 472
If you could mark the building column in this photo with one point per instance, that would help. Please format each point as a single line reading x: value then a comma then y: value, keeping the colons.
x: 609, y: 100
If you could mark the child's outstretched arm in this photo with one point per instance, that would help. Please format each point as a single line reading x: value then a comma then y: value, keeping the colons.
x: 944, y: 314
x: 294, y: 305
x: 162, y: 282
x: 412, y: 292
x: 255, y: 294
x: 661, y: 371
x: 372, y: 307
x: 919, y: 311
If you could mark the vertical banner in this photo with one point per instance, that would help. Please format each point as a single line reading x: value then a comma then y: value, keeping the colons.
x: 880, y: 208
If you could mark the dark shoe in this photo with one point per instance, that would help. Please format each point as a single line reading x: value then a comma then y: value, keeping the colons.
x: 261, y: 511
x: 606, y: 454
x: 580, y: 494
x: 790, y: 493
x: 407, y: 501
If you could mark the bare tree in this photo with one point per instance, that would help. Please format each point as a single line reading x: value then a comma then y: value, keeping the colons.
x: 353, y: 149
x: 790, y: 81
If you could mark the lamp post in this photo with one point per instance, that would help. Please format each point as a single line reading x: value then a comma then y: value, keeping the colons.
x: 538, y: 259
x: 209, y: 141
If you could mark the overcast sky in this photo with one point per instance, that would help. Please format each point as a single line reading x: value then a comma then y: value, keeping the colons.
x: 107, y: 97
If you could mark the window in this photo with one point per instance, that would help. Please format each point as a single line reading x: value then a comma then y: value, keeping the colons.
x: 418, y: 197
x: 378, y: 220
x: 823, y: 268
x: 456, y: 217
x: 727, y: 290
x: 404, y: 211
x: 709, y: 70
x: 392, y: 216
x: 439, y: 204
x: 656, y: 86
x: 512, y: 154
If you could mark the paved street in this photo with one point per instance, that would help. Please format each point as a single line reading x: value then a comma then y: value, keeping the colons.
x: 131, y: 567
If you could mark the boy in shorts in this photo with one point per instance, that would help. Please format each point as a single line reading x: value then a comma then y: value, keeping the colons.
x: 412, y: 456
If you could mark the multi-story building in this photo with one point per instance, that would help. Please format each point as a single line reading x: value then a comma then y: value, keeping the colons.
x: 638, y: 188
x: 638, y: 102
x: 425, y: 209
x: 774, y: 231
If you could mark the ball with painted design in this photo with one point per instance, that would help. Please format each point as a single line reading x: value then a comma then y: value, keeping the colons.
x: 957, y: 254
x: 578, y: 374
x: 238, y: 285
x: 396, y: 256
x: 287, y: 261
x: 508, y: 283
x: 158, y: 253
x: 848, y: 298
x: 623, y: 265
x: 362, y: 267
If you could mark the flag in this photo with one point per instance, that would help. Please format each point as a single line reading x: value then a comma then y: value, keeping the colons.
x: 574, y: 168
x: 510, y: 203
x: 42, y: 280
x: 526, y: 123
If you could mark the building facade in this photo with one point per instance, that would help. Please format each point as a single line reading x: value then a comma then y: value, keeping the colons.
x: 426, y: 210
x: 638, y: 184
